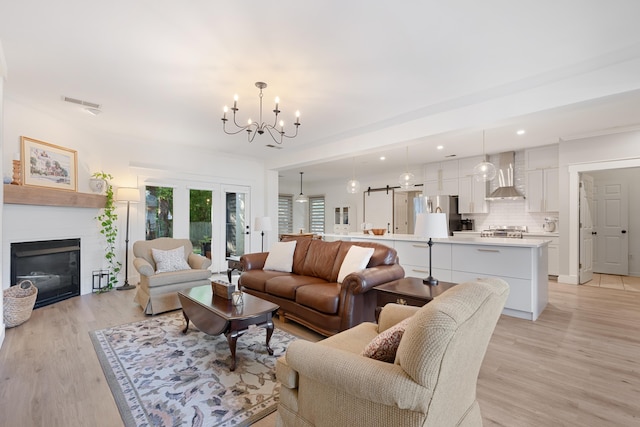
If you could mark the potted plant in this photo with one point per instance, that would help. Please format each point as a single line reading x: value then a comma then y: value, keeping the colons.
x: 107, y: 221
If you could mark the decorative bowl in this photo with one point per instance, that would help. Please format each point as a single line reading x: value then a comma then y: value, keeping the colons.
x: 378, y: 231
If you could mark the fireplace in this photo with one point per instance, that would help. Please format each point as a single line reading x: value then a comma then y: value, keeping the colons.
x: 53, y: 266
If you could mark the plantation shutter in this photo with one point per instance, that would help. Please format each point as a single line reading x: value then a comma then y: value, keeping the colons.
x: 316, y: 214
x: 285, y: 213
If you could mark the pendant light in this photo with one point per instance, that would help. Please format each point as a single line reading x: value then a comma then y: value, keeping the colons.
x: 353, y: 186
x: 301, y: 198
x: 484, y: 171
x: 407, y: 179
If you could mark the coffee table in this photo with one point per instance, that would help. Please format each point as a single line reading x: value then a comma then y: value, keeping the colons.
x: 215, y: 315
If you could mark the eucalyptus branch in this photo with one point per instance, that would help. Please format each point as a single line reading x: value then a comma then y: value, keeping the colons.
x: 107, y: 219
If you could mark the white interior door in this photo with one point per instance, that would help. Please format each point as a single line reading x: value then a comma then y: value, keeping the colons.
x: 586, y: 228
x: 401, y: 212
x: 378, y: 208
x: 612, y: 243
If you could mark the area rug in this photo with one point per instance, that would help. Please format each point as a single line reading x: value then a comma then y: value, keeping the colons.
x: 162, y: 377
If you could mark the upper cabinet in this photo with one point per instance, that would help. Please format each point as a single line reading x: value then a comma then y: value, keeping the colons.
x: 441, y: 178
x: 542, y: 179
x: 471, y: 193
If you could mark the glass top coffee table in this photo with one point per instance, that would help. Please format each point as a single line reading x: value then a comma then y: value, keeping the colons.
x: 215, y: 315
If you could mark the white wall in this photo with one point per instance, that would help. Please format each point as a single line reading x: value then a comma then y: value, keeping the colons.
x: 615, y: 151
x: 132, y: 163
x: 3, y: 73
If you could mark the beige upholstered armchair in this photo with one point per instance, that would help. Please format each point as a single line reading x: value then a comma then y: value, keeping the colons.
x: 158, y: 290
x: 431, y: 383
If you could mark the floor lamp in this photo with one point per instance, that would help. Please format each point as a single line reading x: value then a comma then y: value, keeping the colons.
x: 433, y: 226
x: 262, y: 224
x: 129, y: 195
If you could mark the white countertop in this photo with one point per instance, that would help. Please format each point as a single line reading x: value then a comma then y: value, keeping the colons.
x: 493, y: 241
x: 526, y: 234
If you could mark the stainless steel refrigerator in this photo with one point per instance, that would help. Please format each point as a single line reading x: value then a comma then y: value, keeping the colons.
x: 444, y: 204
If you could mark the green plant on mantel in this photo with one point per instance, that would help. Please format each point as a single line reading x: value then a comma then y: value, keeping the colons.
x: 108, y: 228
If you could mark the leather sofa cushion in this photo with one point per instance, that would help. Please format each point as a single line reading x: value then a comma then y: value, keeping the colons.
x: 286, y: 286
x: 256, y: 279
x: 323, y: 297
x: 382, y: 255
x: 320, y: 260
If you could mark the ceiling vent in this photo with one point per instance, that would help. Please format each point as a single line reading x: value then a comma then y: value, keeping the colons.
x: 81, y: 102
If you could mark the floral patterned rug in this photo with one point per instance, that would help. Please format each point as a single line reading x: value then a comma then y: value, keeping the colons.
x: 162, y: 377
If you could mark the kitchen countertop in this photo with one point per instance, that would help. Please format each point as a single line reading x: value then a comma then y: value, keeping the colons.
x: 493, y: 241
x: 525, y: 234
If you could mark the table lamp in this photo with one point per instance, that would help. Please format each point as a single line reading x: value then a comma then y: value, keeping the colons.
x: 262, y: 224
x: 433, y: 226
x: 129, y: 195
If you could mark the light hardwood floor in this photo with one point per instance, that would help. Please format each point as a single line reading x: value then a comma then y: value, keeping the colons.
x: 577, y: 365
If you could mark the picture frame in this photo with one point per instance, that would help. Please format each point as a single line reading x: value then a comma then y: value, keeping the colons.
x: 48, y: 165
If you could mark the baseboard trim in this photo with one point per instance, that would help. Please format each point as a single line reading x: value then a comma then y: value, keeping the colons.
x: 570, y: 280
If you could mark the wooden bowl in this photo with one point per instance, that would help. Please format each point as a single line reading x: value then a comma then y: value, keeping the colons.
x: 378, y: 231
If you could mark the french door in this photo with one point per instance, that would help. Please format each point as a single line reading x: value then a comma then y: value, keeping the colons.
x: 237, y: 230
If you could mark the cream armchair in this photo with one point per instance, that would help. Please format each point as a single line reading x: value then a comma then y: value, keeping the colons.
x: 158, y: 292
x: 431, y: 383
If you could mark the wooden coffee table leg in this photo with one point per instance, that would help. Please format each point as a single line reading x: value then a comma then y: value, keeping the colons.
x: 232, y: 338
x: 186, y: 318
x: 269, y: 327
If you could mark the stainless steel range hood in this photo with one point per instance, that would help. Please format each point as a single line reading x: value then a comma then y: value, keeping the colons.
x: 506, y: 190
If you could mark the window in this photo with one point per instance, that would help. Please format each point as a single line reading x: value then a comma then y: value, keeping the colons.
x: 316, y: 214
x: 285, y: 213
x: 159, y: 213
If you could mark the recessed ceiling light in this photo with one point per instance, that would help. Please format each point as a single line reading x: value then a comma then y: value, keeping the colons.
x: 521, y: 132
x: 440, y: 147
x: 383, y: 158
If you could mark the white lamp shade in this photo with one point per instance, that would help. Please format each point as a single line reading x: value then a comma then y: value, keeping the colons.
x: 432, y: 225
x: 127, y: 194
x: 262, y: 223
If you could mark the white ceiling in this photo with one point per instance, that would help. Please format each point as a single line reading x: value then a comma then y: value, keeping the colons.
x: 368, y: 77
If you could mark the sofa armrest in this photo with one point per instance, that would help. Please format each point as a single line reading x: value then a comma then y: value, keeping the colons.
x: 359, y: 376
x: 393, y: 314
x: 362, y: 281
x: 143, y: 267
x: 198, y: 262
x: 254, y: 261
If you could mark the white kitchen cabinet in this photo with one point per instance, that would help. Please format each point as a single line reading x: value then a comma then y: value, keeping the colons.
x: 554, y: 256
x: 414, y: 258
x: 541, y: 157
x: 472, y: 195
x: 542, y: 190
x: 441, y: 178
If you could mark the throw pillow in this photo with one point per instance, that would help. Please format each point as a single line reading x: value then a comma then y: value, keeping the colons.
x: 356, y: 260
x: 171, y: 260
x: 280, y: 257
x: 385, y: 345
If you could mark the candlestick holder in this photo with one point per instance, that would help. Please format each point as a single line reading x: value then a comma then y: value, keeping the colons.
x: 17, y: 173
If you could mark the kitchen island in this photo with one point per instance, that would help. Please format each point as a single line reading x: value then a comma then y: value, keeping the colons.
x: 520, y: 262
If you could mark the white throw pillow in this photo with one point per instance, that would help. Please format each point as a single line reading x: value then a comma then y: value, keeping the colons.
x: 172, y: 260
x: 280, y: 256
x: 356, y: 260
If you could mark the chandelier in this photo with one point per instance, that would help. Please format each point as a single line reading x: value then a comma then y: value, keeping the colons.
x: 484, y: 171
x: 406, y: 179
x: 276, y: 130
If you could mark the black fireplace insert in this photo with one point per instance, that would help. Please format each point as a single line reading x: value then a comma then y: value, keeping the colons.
x: 53, y: 266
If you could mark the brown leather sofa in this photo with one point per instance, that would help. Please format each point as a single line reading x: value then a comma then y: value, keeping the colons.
x: 310, y: 294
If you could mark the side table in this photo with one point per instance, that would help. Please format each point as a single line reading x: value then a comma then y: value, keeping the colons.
x: 408, y: 291
x: 233, y: 263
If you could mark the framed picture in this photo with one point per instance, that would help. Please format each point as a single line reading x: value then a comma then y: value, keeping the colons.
x: 48, y: 165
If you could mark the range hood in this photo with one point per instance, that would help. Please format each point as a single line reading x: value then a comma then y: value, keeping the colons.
x: 506, y: 190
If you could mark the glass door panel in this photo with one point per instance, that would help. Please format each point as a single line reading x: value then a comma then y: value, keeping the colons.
x: 237, y: 221
x: 159, y: 212
x: 200, y: 226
